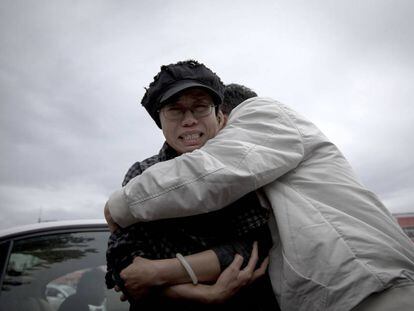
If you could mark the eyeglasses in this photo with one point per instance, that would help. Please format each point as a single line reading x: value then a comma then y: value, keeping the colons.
x: 174, y: 112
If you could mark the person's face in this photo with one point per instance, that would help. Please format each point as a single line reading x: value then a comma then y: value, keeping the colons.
x: 187, y: 132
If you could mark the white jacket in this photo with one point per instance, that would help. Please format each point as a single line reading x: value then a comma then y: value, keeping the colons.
x: 334, y: 241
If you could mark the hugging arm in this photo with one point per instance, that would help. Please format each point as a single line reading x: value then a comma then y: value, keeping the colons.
x: 259, y: 144
x: 228, y: 283
x: 143, y: 274
x: 223, y: 287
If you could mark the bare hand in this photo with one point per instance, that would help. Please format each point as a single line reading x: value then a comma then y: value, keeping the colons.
x: 139, y: 277
x: 113, y: 226
x: 232, y: 279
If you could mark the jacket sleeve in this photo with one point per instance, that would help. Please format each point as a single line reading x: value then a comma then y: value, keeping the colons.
x: 259, y: 144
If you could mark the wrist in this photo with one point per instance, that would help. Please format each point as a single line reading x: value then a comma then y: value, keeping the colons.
x: 170, y: 272
x: 207, y: 295
x: 184, y: 263
x: 212, y: 296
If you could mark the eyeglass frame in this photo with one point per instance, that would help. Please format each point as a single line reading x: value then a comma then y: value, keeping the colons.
x: 184, y: 110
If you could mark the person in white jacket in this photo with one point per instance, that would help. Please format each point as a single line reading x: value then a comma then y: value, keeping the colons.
x: 336, y: 247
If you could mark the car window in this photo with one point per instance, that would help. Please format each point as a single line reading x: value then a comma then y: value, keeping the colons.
x: 58, y: 272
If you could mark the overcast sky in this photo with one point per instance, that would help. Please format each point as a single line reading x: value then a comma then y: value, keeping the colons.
x: 72, y: 74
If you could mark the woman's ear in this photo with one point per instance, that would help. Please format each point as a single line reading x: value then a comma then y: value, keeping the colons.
x: 221, y: 119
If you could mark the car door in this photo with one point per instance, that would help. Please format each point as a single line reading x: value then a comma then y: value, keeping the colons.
x: 55, y: 270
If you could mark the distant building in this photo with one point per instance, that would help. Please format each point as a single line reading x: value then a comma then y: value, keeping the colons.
x: 406, y: 222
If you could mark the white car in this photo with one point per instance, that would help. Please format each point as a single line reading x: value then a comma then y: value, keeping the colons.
x: 56, y: 266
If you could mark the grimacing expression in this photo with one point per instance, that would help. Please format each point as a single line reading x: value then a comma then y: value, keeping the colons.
x: 183, y: 127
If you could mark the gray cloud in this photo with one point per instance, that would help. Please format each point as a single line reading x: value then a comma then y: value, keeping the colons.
x: 72, y: 74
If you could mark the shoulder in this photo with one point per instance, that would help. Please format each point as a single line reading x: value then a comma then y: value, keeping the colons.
x: 258, y: 107
x: 268, y: 111
x: 165, y: 153
x: 139, y: 167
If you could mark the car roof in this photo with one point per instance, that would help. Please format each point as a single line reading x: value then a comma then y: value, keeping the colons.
x: 53, y: 226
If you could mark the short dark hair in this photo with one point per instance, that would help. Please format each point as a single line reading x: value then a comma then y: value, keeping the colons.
x: 235, y: 94
x: 175, y: 78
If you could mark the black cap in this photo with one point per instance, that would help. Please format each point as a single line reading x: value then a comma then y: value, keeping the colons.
x: 175, y: 78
